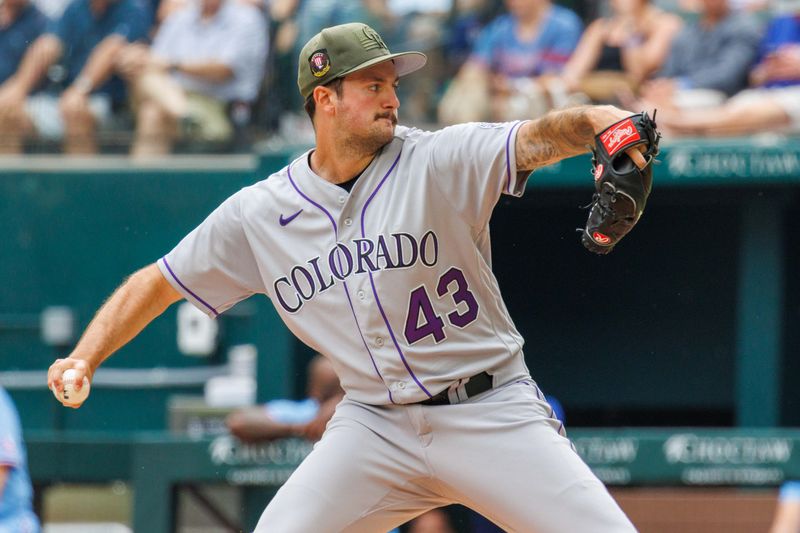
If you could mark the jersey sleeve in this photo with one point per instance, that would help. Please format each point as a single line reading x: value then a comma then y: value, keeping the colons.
x: 473, y: 164
x: 214, y: 266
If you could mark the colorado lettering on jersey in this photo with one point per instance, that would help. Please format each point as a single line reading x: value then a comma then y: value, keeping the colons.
x: 320, y: 273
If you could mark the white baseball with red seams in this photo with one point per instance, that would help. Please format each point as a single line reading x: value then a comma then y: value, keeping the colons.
x: 70, y: 394
x: 392, y: 281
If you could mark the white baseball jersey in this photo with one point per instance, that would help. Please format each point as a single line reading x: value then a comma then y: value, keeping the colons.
x: 391, y: 281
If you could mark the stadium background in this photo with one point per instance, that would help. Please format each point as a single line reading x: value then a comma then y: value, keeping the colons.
x: 690, y: 418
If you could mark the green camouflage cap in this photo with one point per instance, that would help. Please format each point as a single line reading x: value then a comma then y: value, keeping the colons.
x: 340, y: 50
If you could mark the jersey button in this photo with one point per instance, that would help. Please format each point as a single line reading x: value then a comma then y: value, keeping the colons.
x: 379, y: 341
x: 341, y: 199
x: 348, y: 222
x: 401, y: 385
x: 361, y: 295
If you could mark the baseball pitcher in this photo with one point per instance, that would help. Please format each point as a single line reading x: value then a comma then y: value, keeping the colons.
x: 374, y: 248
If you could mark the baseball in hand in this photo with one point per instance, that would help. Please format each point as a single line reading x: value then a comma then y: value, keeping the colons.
x: 70, y: 394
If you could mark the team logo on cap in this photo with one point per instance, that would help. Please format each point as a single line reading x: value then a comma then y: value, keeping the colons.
x: 370, y: 39
x: 319, y: 63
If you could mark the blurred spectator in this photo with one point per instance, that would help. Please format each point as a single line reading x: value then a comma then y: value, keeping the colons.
x: 466, y: 22
x: 167, y: 8
x: 52, y: 9
x: 87, y: 39
x: 709, y: 60
x: 420, y: 25
x: 313, y: 15
x: 620, y: 51
x: 164, y: 8
x: 787, y: 514
x: 695, y: 6
x: 774, y: 102
x: 513, y: 52
x: 402, y: 8
x: 287, y: 418
x: 20, y: 24
x: 778, y: 52
x: 200, y: 76
x: 16, y: 494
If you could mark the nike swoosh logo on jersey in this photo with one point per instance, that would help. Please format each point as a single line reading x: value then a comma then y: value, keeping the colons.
x: 285, y: 220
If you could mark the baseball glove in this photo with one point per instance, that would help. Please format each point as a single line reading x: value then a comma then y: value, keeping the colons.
x: 621, y: 187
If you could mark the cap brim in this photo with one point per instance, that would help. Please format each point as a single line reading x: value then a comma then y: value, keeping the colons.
x: 404, y: 62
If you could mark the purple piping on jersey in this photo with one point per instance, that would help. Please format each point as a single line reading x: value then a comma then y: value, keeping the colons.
x: 196, y: 297
x: 508, y: 158
x: 312, y: 202
x: 358, y: 326
x: 346, y: 292
x: 372, y: 281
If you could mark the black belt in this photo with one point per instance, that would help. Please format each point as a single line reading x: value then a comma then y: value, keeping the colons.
x: 477, y: 384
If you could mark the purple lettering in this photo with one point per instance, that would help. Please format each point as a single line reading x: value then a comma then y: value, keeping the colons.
x: 383, y: 253
x: 398, y: 239
x: 423, y: 249
x: 281, y: 299
x: 310, y: 289
x: 363, y: 255
x: 337, y: 253
x: 322, y: 284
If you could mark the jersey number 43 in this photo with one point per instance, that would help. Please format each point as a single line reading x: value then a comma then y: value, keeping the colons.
x: 422, y: 320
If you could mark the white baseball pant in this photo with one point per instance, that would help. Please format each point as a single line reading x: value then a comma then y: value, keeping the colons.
x: 500, y: 453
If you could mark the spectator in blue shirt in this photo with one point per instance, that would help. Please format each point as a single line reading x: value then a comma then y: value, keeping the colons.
x: 86, y: 38
x: 468, y: 20
x: 16, y: 512
x: 20, y: 24
x: 280, y: 419
x: 779, y: 49
x: 512, y: 54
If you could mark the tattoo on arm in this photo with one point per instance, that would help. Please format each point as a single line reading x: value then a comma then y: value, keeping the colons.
x: 553, y: 137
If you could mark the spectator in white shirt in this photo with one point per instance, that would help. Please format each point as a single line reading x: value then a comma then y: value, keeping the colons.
x: 204, y: 58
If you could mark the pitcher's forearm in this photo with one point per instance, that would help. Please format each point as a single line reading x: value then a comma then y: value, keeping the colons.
x: 139, y: 300
x: 562, y: 134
